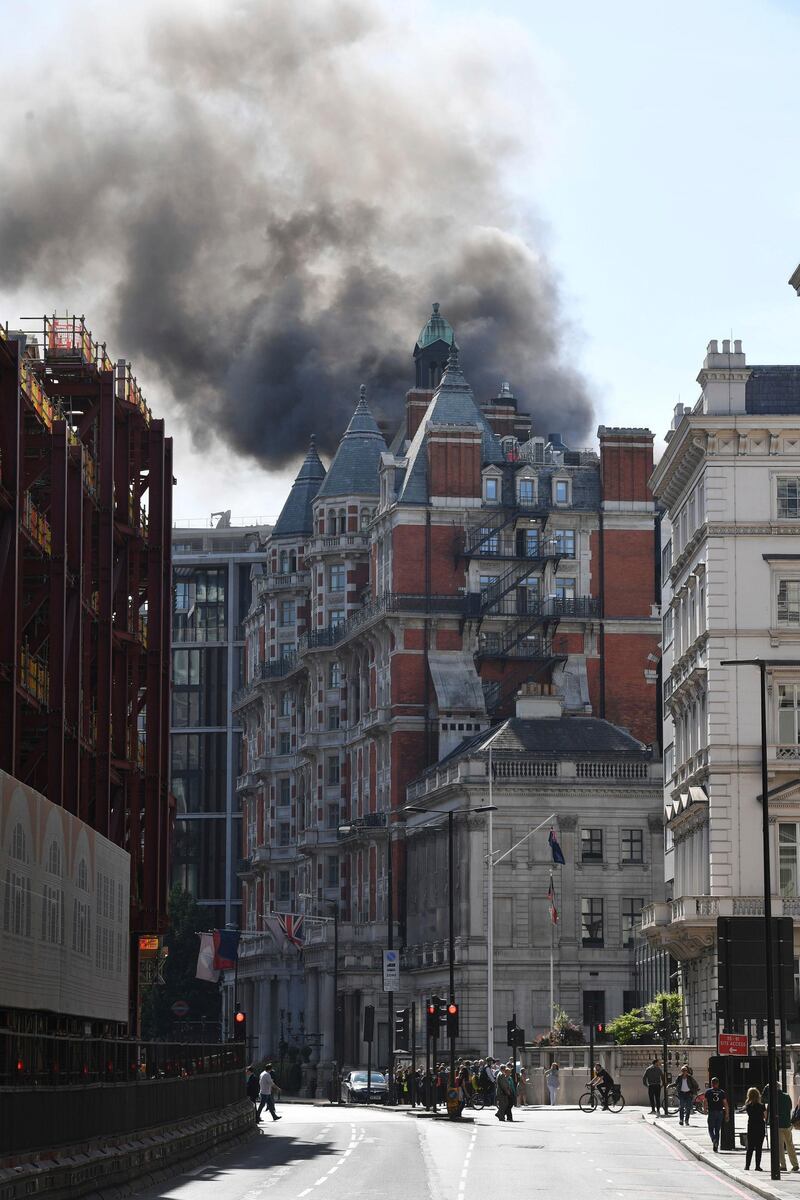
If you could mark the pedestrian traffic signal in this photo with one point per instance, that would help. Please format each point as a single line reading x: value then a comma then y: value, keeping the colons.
x: 511, y: 1032
x: 452, y: 1019
x: 239, y: 1026
x: 600, y: 1034
x: 432, y: 1019
x: 402, y: 1029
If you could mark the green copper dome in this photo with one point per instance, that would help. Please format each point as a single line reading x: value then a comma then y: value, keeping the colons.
x: 436, y: 330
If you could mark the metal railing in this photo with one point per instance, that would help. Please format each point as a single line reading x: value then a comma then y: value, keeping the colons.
x: 43, y: 1060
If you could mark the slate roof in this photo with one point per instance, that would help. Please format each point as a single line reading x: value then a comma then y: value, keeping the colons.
x: 296, y: 515
x: 453, y: 403
x: 773, y: 391
x: 556, y: 737
x: 354, y: 470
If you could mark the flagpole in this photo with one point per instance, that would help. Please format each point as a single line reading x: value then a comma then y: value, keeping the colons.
x: 552, y: 940
x: 490, y: 922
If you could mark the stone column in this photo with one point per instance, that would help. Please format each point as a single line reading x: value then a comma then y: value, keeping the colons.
x: 312, y: 1007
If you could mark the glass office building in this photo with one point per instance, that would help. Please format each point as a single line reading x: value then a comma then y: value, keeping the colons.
x: 212, y: 562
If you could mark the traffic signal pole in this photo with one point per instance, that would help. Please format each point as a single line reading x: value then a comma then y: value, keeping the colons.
x: 664, y: 1048
x: 414, y: 1054
x: 451, y: 950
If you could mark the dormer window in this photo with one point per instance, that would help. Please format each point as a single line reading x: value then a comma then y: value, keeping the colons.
x: 491, y: 489
x: 526, y: 492
x: 562, y: 491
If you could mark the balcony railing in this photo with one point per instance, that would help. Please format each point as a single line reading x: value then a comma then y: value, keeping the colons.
x: 390, y: 602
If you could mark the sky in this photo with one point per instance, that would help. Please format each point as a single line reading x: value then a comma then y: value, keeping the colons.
x: 643, y: 159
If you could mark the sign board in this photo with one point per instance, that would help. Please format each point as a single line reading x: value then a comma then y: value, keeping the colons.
x: 734, y: 1043
x: 741, y: 968
x: 180, y: 1008
x: 149, y: 943
x: 391, y: 970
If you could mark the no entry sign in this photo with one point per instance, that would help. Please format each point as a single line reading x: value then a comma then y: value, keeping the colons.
x: 733, y: 1043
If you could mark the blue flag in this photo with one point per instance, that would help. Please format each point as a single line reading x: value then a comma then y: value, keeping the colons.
x: 558, y: 853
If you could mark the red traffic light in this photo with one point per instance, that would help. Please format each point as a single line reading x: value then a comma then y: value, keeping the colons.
x: 599, y: 1027
x: 432, y: 1009
x: 452, y: 1009
x: 239, y: 1017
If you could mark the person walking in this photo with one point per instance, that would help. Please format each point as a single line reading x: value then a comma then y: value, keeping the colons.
x: 756, y: 1127
x: 553, y: 1080
x: 251, y: 1087
x: 716, y: 1104
x: 522, y: 1087
x: 785, y: 1123
x: 267, y: 1086
x: 687, y: 1088
x: 653, y: 1079
x: 505, y: 1095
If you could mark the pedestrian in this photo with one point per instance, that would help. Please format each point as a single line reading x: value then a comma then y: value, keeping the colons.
x: 505, y: 1095
x: 653, y: 1079
x: 522, y: 1087
x: 251, y: 1087
x: 716, y: 1102
x: 487, y: 1081
x: 785, y: 1123
x: 267, y: 1086
x: 756, y: 1127
x: 687, y: 1088
x: 553, y: 1081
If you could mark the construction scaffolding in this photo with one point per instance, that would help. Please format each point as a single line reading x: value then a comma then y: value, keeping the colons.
x: 85, y: 579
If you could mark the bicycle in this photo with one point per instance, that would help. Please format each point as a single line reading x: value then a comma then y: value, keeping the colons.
x: 589, y: 1100
x: 477, y: 1101
x: 672, y: 1101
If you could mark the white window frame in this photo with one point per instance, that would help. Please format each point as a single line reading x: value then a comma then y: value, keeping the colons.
x: 497, y: 479
x: 527, y: 478
x: 565, y: 479
x: 776, y: 499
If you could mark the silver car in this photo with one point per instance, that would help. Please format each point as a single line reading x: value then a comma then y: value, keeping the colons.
x: 354, y: 1087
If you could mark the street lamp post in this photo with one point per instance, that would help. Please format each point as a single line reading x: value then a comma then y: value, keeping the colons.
x: 774, y: 1132
x: 450, y: 814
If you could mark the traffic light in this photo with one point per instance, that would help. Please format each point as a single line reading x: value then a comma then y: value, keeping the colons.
x: 432, y: 1017
x: 511, y: 1032
x: 600, y: 1034
x: 402, y: 1029
x: 452, y: 1019
x: 239, y: 1026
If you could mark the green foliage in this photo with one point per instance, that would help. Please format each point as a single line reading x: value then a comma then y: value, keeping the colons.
x: 630, y: 1029
x: 564, y: 1032
x: 186, y: 921
x: 641, y: 1026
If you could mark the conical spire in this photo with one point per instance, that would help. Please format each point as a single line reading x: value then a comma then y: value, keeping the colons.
x: 296, y: 518
x: 354, y: 470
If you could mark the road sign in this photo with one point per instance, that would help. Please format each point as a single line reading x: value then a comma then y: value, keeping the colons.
x: 733, y: 1043
x: 180, y: 1008
x: 391, y: 970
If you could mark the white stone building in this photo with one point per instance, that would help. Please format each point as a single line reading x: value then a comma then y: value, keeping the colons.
x: 604, y: 788
x: 730, y: 484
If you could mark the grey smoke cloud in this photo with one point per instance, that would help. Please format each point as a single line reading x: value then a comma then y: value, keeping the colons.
x: 263, y: 198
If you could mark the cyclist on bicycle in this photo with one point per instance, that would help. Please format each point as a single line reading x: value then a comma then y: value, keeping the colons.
x: 603, y: 1082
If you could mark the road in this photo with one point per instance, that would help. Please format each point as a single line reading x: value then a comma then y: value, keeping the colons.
x: 368, y: 1154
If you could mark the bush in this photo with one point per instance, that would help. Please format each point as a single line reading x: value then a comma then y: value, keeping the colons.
x: 642, y: 1025
x: 631, y: 1029
x: 564, y: 1032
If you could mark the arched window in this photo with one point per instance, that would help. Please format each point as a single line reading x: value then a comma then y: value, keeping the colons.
x: 19, y: 849
x: 54, y: 858
x: 284, y: 562
x: 342, y: 521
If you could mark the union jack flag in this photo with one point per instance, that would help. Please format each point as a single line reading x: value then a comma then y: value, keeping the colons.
x: 292, y: 926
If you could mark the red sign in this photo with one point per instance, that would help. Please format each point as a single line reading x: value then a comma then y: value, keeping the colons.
x: 733, y: 1043
x: 180, y: 1008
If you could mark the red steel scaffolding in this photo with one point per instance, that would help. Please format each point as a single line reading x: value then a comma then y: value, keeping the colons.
x: 85, y: 579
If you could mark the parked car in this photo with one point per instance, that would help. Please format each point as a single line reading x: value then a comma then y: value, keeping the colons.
x: 354, y: 1087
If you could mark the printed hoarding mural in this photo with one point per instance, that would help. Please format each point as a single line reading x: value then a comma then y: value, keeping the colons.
x: 64, y: 910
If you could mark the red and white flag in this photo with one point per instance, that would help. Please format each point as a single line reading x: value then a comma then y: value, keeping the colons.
x: 551, y: 898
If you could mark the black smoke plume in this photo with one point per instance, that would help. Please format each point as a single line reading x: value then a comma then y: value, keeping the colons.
x: 261, y: 199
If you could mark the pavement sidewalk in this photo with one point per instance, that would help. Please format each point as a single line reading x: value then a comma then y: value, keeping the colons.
x: 694, y: 1138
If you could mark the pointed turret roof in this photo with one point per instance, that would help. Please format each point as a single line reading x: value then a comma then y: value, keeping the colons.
x: 296, y: 516
x: 437, y: 329
x: 453, y: 403
x: 354, y: 470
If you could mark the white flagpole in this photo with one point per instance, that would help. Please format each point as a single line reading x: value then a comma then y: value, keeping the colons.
x: 490, y: 923
x: 552, y: 940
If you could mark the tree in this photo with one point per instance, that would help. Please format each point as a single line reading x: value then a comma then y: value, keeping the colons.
x: 641, y: 1025
x: 564, y: 1032
x: 654, y: 1012
x: 182, y: 943
x: 631, y: 1028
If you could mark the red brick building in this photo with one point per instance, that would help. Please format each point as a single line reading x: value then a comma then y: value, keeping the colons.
x: 408, y: 593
